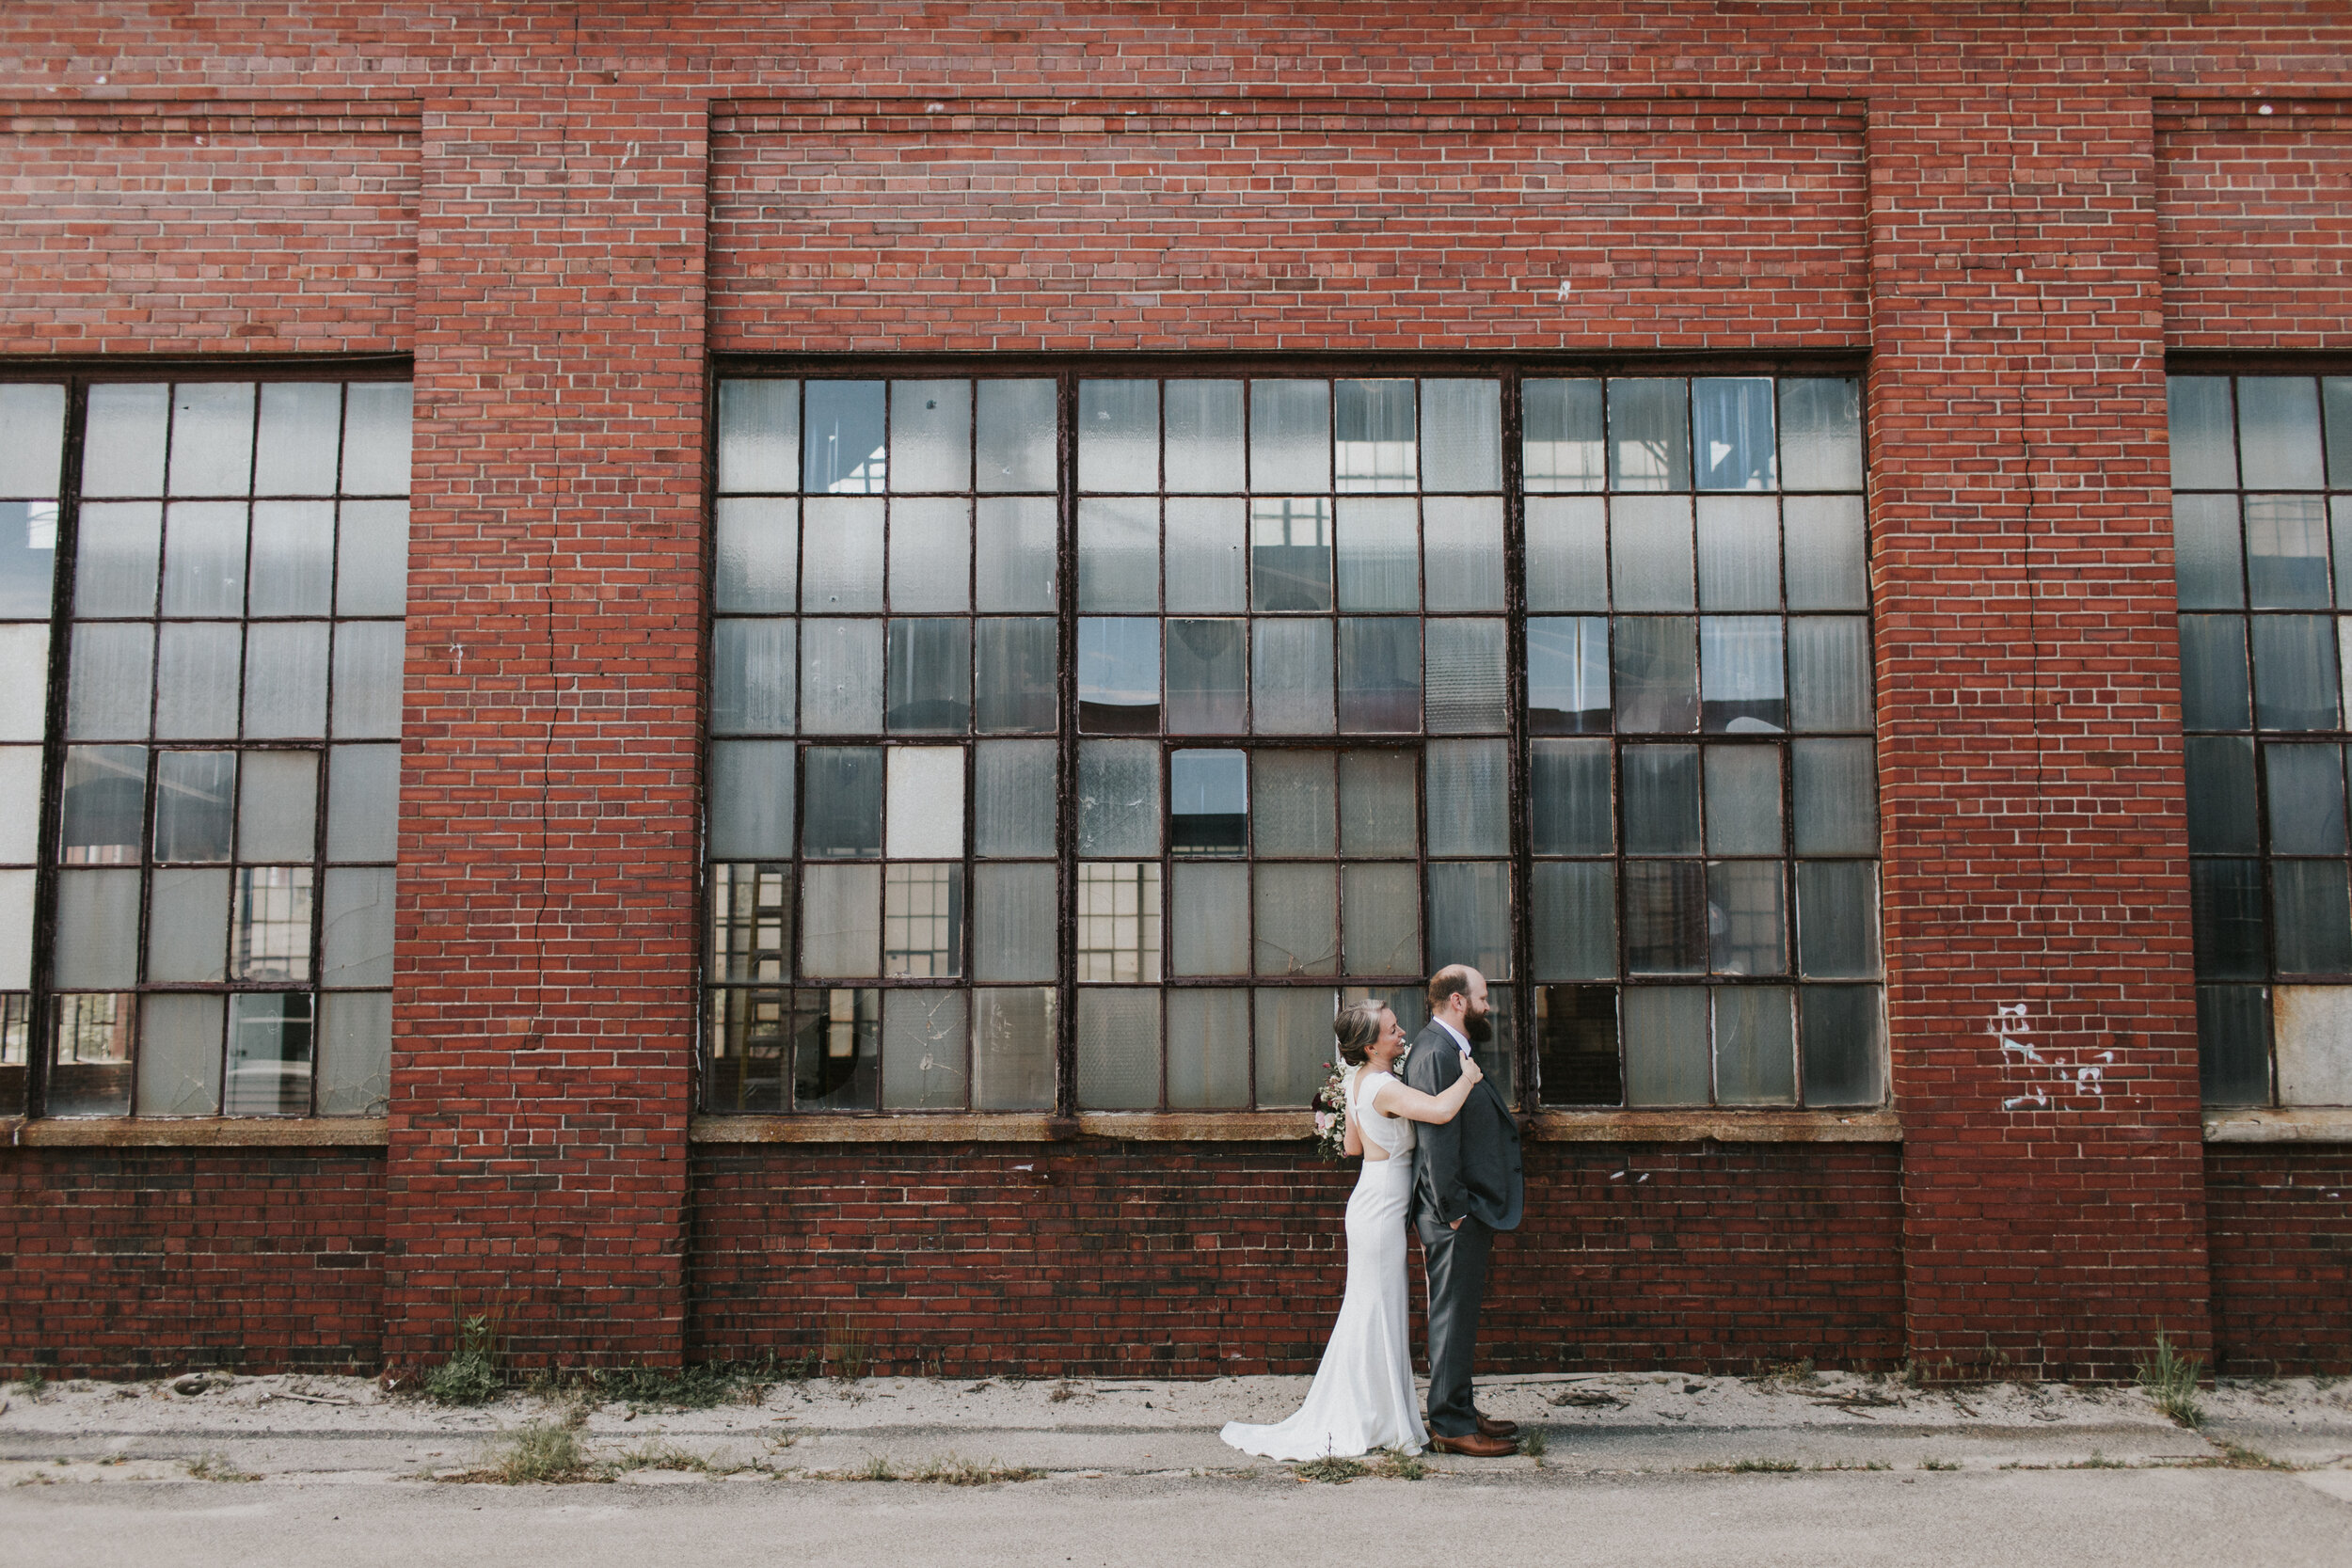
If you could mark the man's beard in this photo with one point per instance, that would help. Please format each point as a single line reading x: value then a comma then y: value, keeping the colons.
x: 1480, y: 1027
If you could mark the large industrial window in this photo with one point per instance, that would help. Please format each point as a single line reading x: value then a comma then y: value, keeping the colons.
x: 223, y: 717
x: 1083, y: 742
x: 2262, y: 506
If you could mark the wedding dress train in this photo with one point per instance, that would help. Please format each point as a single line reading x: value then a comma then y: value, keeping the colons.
x: 1363, y: 1397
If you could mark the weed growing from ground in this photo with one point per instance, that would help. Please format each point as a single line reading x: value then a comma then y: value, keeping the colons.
x: 213, y: 1466
x: 472, y: 1374
x: 1401, y: 1467
x: 2096, y: 1461
x: 2170, y: 1380
x: 1939, y: 1464
x: 33, y: 1385
x: 1338, y: 1472
x: 1754, y: 1466
x: 1533, y: 1444
x: 537, y: 1452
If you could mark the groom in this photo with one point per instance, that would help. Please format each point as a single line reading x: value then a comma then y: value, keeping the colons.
x: 1467, y: 1187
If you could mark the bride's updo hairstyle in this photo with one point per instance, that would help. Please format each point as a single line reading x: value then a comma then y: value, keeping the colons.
x: 1357, y: 1028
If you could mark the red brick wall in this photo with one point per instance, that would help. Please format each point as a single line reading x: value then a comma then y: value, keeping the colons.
x: 1191, y: 1260
x: 2281, y: 1237
x: 151, y: 1261
x: 2255, y: 222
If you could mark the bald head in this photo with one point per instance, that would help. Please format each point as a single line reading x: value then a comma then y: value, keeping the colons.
x: 1455, y: 992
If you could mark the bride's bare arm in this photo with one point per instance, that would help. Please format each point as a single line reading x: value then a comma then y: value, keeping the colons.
x: 1398, y: 1099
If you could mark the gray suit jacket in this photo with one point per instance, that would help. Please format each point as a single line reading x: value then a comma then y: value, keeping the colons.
x: 1469, y: 1165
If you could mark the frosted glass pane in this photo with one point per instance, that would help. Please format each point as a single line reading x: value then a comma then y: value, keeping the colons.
x: 1374, y: 435
x: 1560, y: 434
x: 294, y: 556
x: 1573, y: 912
x: 1661, y: 799
x: 1294, y: 803
x: 1207, y: 562
x: 355, y: 1054
x: 1017, y: 553
x: 1834, y: 785
x: 2310, y: 918
x: 1837, y: 918
x: 369, y: 664
x: 212, y: 438
x: 930, y: 435
x: 107, y: 697
x: 929, y: 677
x: 1208, y: 802
x: 1379, y: 553
x: 270, y: 929
x: 1297, y: 920
x: 1665, y: 917
x: 1016, y: 685
x: 1293, y: 1043
x: 926, y: 1039
x: 377, y: 416
x: 1119, y: 676
x: 98, y: 930
x: 2286, y: 552
x: 1118, y: 435
x: 1650, y: 555
x: 1468, y: 692
x: 285, y: 680
x: 1014, y: 798
x: 16, y: 930
x: 1290, y: 554
x: 1467, y: 800
x: 841, y: 677
x: 28, y: 558
x: 1119, y: 1050
x: 1017, y: 429
x: 2226, y: 924
x: 925, y: 802
x: 1732, y: 433
x: 1461, y: 436
x: 2207, y: 564
x: 371, y: 562
x: 842, y: 449
x: 1012, y: 1050
x: 1827, y: 552
x: 196, y: 680
x: 1567, y: 674
x: 1208, y: 677
x: 757, y: 555
x: 842, y: 802
x: 1119, y: 798
x: 2213, y: 672
x: 117, y: 553
x: 2306, y: 789
x: 1820, y: 434
x: 840, y: 919
x: 1379, y: 675
x: 1378, y: 812
x: 1120, y: 908
x: 1741, y: 687
x: 2221, y: 795
x: 362, y: 801
x: 2204, y: 455
x: 751, y: 800
x: 32, y: 439
x: 1844, y: 1034
x: 1568, y: 555
x: 1649, y: 434
x: 841, y: 556
x: 923, y: 920
x: 1756, y: 1045
x: 1289, y: 436
x: 1829, y: 673
x: 1569, y: 802
x: 1381, y: 910
x: 301, y: 430
x: 357, y: 927
x: 1291, y: 676
x: 122, y: 439
x: 1119, y: 556
x: 930, y: 555
x: 759, y: 435
x: 1738, y: 553
x: 1469, y: 916
x: 179, y: 1055
x: 2277, y: 431
x: 1210, y: 915
x: 1744, y: 798
x: 1463, y: 539
x: 20, y: 829
x: 1747, y: 918
x: 2294, y: 672
x: 2233, y: 1044
x: 105, y: 805
x: 195, y: 794
x: 1208, y: 1049
x: 1015, y: 918
x: 187, y: 926
x: 204, y: 550
x: 1204, y: 441
x: 1666, y: 1050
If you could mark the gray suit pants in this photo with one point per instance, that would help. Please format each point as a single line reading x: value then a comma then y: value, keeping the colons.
x: 1457, y: 1265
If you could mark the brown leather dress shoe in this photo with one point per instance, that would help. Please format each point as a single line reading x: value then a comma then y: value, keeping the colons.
x: 1474, y: 1445
x: 1489, y: 1426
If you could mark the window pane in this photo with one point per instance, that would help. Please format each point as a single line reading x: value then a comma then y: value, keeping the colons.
x: 1206, y: 558
x: 925, y: 1039
x: 2336, y: 391
x: 1469, y: 916
x: 1208, y: 681
x: 1828, y: 557
x: 1119, y: 676
x: 107, y: 696
x: 1461, y: 436
x: 1740, y: 691
x: 122, y: 440
x: 1379, y: 813
x: 834, y: 1041
x: 1297, y: 920
x: 1650, y: 554
x: 1665, y: 917
x: 841, y: 677
x: 1665, y: 1045
x: 293, y: 556
x: 923, y: 920
x: 1291, y: 674
x: 1748, y: 928
x: 363, y: 800
x: 1657, y: 674
x: 840, y: 919
x: 1119, y: 921
x: 1844, y: 1035
x: 1829, y: 673
x: 1463, y: 539
x: 116, y: 555
x: 1732, y: 419
x: 2205, y: 553
x: 196, y: 680
x: 2286, y: 551
x: 1375, y: 434
x: 1290, y: 554
x: 2213, y: 672
x: 1834, y: 785
x: 371, y: 562
x: 930, y: 435
x: 842, y: 816
x: 2306, y: 799
x: 2277, y: 430
x: 194, y: 792
x: 1468, y: 802
x: 1382, y: 907
x: 1576, y: 1045
x: 204, y: 551
x: 269, y: 1055
x: 1118, y: 435
x: 2221, y: 775
x: 1468, y: 689
x: 1294, y: 803
x: 841, y: 445
x: 2203, y: 455
x: 1738, y: 553
x: 750, y: 922
x: 1211, y: 916
x: 1567, y: 674
x: 1379, y: 686
x: 2225, y: 900
x: 1119, y: 798
x: 1014, y: 798
x: 1560, y: 433
x: 1016, y: 676
x: 1017, y: 427
x: 357, y: 927
x: 24, y: 683
x: 1756, y: 1045
x: 1820, y: 433
x: 1743, y: 800
x: 20, y: 781
x: 841, y: 556
x: 1574, y: 913
x: 1569, y: 801
x: 188, y: 926
x: 751, y: 800
x: 1204, y: 444
x: 379, y: 421
x: 930, y: 555
x: 930, y: 676
x: 1289, y: 435
x: 1661, y: 799
x: 925, y: 802
x: 1208, y: 802
x: 760, y: 435
x: 1294, y: 1042
x: 752, y: 672
x: 1208, y: 1049
x: 2294, y: 672
x: 1014, y: 918
x: 1119, y: 556
x: 1119, y: 1050
x: 104, y: 810
x: 1380, y: 554
x: 1012, y: 1050
x: 1017, y: 553
x: 90, y: 1073
x: 370, y: 665
x: 32, y: 439
x: 2233, y: 1044
x: 271, y: 933
x: 2311, y: 917
x: 179, y: 1055
x: 1649, y: 434
x: 1568, y: 555
x: 1837, y: 918
x: 751, y: 1041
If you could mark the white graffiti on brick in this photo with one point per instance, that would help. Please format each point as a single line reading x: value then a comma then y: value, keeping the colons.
x: 2052, y: 1076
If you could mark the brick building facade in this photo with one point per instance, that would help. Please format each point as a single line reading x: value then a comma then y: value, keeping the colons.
x: 568, y: 230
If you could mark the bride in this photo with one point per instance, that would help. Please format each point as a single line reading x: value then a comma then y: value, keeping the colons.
x: 1362, y: 1396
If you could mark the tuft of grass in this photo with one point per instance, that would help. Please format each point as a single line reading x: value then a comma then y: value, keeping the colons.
x: 537, y: 1452
x: 1939, y: 1464
x: 2096, y: 1461
x: 1788, y: 1374
x: 847, y: 1352
x: 877, y: 1469
x: 472, y: 1374
x: 1400, y: 1466
x: 2237, y: 1456
x: 661, y: 1454
x: 1063, y: 1390
x: 1338, y: 1472
x: 1532, y: 1443
x: 213, y: 1466
x: 1850, y: 1465
x: 33, y: 1385
x: 2170, y: 1380
x: 1754, y: 1466
x: 698, y: 1387
x: 952, y: 1471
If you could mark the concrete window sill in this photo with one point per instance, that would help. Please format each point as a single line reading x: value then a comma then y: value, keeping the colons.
x: 2290, y: 1124
x: 212, y: 1132
x: 1277, y: 1126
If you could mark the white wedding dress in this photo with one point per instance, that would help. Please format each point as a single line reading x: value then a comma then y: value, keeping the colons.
x: 1362, y: 1396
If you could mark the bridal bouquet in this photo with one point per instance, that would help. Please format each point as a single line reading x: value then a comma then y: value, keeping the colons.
x: 1330, y: 1103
